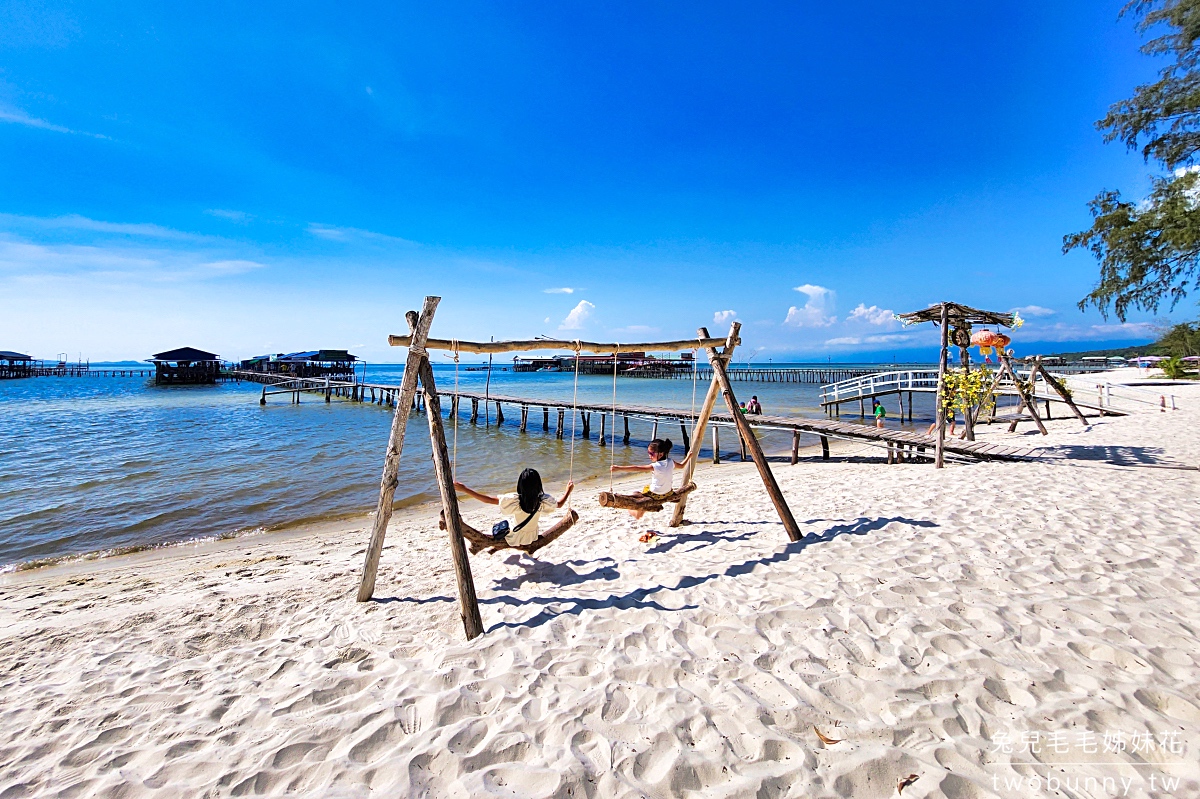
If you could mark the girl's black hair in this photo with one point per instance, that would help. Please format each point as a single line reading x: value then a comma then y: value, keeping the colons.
x: 662, y: 446
x: 529, y: 490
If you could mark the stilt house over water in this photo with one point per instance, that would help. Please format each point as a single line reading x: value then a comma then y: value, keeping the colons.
x: 186, y: 366
x: 14, y: 364
x: 336, y: 364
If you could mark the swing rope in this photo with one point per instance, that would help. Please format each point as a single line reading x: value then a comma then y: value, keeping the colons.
x: 695, y: 376
x: 578, y: 345
x: 612, y: 444
x: 454, y: 410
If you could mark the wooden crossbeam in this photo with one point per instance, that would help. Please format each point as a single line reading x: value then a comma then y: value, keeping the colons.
x: 530, y: 345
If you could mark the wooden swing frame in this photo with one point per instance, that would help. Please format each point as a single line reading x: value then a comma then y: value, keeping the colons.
x: 418, y: 368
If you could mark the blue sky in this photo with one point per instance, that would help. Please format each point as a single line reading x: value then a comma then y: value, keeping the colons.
x: 270, y: 177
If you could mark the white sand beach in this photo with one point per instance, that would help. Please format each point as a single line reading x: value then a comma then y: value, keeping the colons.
x: 999, y: 629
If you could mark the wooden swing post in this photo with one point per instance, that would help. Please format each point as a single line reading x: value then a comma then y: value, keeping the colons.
x: 391, y: 461
x: 706, y: 409
x: 747, y: 434
x: 468, y: 602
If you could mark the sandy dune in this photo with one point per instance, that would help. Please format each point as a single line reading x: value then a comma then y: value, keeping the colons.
x: 943, y: 625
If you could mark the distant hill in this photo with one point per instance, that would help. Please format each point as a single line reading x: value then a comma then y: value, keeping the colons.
x: 1123, y: 352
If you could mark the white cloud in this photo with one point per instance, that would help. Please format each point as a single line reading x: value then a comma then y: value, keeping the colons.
x: 816, y: 311
x: 634, y: 330
x: 1061, y: 331
x: 883, y: 338
x: 1034, y: 310
x: 19, y: 117
x: 724, y: 317
x: 578, y: 316
x: 77, y: 222
x: 873, y: 315
x: 353, y: 235
x: 547, y: 320
x: 564, y: 290
x: 235, y: 267
x: 237, y: 217
x: 119, y: 265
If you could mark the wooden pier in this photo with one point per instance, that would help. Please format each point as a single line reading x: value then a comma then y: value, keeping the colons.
x: 744, y: 374
x: 86, y: 371
x: 552, y: 415
x: 906, y: 383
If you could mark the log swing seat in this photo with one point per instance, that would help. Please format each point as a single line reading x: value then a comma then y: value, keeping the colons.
x: 417, y: 369
x: 645, y: 502
x: 481, y: 542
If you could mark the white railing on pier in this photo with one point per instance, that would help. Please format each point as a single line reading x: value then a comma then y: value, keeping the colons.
x: 880, y: 383
x: 1119, y: 397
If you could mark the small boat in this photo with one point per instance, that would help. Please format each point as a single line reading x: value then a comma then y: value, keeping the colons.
x: 550, y: 369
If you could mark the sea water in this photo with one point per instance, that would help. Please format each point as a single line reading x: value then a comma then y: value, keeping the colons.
x: 100, y: 464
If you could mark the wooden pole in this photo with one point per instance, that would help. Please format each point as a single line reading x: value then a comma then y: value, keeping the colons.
x: 391, y: 461
x: 940, y: 411
x: 531, y: 345
x: 706, y: 409
x: 825, y: 448
x: 747, y: 434
x: 795, y: 447
x: 468, y: 602
x: 1053, y: 382
x: 625, y: 420
x: 603, y: 429
x: 965, y: 357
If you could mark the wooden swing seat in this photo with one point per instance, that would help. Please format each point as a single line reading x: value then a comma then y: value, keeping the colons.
x: 480, y: 542
x: 644, y: 501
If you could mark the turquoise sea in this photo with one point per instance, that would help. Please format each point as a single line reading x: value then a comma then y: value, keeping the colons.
x: 97, y: 464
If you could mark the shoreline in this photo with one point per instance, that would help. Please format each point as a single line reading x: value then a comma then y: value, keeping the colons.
x: 926, y: 618
x: 341, y: 523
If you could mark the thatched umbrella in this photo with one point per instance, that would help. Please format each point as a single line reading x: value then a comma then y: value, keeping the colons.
x: 949, y: 315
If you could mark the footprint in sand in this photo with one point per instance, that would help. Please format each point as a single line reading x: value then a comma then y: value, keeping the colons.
x: 1107, y: 654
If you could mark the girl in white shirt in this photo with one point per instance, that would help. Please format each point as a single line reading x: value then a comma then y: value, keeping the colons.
x: 660, y: 468
x: 523, y: 507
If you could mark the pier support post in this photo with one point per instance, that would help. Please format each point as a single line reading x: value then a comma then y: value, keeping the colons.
x: 474, y: 411
x: 716, y: 445
x: 499, y: 415
x: 795, y: 447
x: 545, y: 419
x: 687, y: 445
x: 654, y: 430
x: 587, y: 424
x: 561, y: 415
x: 625, y: 439
x: 263, y: 399
x: 524, y: 417
x: 326, y: 388
x: 603, y: 428
x: 824, y: 448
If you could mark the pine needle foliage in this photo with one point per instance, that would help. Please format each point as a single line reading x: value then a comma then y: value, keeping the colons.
x: 1149, y: 251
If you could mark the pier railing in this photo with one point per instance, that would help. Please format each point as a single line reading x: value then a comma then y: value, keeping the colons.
x: 747, y: 374
x: 878, y: 383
